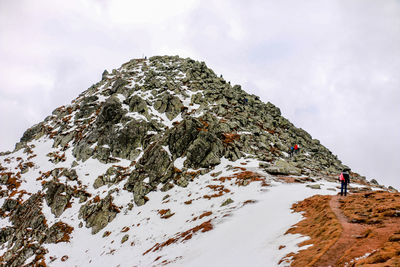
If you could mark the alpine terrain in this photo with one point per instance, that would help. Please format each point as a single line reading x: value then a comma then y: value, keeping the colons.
x: 163, y: 162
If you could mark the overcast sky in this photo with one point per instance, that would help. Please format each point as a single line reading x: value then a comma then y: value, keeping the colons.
x: 332, y: 67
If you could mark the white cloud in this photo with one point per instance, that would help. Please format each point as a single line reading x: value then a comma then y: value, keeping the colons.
x: 331, y: 66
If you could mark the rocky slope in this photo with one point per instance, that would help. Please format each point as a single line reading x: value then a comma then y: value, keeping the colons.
x: 153, y: 134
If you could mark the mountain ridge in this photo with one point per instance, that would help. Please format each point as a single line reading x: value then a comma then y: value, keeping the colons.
x: 150, y: 127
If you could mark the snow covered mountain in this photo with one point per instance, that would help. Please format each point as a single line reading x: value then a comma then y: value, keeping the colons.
x: 161, y: 162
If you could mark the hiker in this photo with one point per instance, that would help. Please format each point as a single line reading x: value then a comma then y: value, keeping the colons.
x: 291, y: 151
x: 244, y: 101
x: 344, y: 178
x: 296, y: 148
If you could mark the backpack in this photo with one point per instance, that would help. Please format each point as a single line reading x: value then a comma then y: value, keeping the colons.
x: 341, y: 177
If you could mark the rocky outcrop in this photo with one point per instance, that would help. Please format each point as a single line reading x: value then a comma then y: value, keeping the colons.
x: 29, y: 231
x: 98, y: 213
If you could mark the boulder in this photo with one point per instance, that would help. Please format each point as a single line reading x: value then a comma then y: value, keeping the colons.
x: 282, y: 167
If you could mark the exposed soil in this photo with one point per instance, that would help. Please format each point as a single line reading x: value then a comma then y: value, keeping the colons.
x: 364, y: 230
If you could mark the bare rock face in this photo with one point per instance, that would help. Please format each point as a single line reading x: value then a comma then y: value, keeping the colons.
x: 98, y: 214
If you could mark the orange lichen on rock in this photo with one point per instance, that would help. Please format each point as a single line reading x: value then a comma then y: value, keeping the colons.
x: 204, y: 227
x: 230, y: 137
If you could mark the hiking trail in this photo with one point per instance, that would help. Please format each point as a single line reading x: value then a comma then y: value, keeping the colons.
x: 355, y: 240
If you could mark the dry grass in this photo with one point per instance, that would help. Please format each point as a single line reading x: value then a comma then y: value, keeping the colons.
x: 369, y: 223
x: 244, y: 177
x: 371, y: 207
x: 181, y: 237
x: 320, y: 224
x: 230, y: 137
x: 66, y: 230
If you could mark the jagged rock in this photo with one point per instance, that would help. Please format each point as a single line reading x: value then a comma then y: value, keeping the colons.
x: 82, y: 151
x: 182, y: 182
x: 167, y: 187
x: 104, y: 75
x: 170, y: 105
x: 32, y: 133
x: 112, y: 176
x: 111, y: 113
x: 118, y: 85
x: 58, y: 232
x: 5, y: 234
x: 9, y: 204
x: 98, y: 215
x: 56, y: 197
x: 205, y: 151
x: 63, y: 140
x: 87, y: 107
x: 373, y: 181
x: 154, y: 164
x: 181, y: 136
x: 137, y: 104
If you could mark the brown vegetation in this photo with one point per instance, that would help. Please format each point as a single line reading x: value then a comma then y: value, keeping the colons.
x: 204, y: 227
x: 219, y: 189
x: 244, y: 178
x: 360, y: 229
x: 320, y: 224
x: 66, y: 230
x: 230, y: 137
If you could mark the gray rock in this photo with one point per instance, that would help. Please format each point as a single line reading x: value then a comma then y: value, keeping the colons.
x: 373, y: 181
x: 124, y: 238
x: 227, y: 202
x: 282, y: 167
x: 98, y: 215
x: 314, y: 186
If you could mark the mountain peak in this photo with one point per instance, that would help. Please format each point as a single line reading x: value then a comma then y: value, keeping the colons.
x: 156, y: 140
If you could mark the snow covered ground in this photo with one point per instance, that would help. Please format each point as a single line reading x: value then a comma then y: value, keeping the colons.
x: 247, y: 232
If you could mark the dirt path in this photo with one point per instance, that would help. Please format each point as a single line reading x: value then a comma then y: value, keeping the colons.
x: 353, y: 241
x: 345, y: 241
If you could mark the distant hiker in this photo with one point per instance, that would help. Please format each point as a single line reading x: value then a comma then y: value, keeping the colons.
x: 296, y: 148
x: 291, y: 151
x: 344, y: 178
x: 244, y: 101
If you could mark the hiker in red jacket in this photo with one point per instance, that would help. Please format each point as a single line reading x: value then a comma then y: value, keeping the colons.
x: 296, y: 149
x: 344, y: 178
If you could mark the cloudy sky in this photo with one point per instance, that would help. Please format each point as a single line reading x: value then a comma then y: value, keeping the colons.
x: 332, y: 67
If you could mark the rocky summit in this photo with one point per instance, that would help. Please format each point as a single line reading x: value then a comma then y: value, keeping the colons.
x: 154, y: 164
